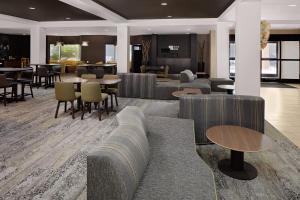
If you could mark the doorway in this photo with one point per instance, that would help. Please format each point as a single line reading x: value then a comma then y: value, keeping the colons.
x: 137, y: 57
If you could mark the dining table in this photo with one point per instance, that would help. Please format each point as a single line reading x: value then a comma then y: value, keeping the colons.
x: 105, y: 82
x: 16, y: 72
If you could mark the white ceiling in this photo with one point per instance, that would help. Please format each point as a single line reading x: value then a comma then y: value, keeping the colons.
x: 277, y: 12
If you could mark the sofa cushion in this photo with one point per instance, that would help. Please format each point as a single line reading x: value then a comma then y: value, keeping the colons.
x: 115, y: 169
x: 132, y: 115
x: 175, y: 171
x: 186, y: 76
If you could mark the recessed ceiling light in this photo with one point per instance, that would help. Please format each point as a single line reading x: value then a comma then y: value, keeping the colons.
x: 164, y: 4
x: 68, y: 18
x: 292, y: 5
x: 31, y: 8
x: 170, y: 16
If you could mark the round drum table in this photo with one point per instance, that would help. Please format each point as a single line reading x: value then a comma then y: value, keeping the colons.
x: 238, y: 140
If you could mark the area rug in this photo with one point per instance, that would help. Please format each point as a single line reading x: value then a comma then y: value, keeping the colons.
x: 275, y: 85
x: 278, y: 171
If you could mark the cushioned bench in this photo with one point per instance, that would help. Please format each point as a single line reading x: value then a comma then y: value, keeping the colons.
x: 162, y: 165
x: 212, y: 110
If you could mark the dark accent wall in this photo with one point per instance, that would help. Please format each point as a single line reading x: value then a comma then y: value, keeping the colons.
x: 187, y: 57
x: 183, y: 41
x: 19, y: 46
x: 93, y: 53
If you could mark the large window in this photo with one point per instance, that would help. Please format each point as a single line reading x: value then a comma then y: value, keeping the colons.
x: 110, y: 53
x: 65, y: 52
x: 232, y: 58
x: 269, y: 60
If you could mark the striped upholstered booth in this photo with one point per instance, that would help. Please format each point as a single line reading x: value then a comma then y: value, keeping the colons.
x: 162, y: 164
x: 212, y: 110
x: 136, y: 85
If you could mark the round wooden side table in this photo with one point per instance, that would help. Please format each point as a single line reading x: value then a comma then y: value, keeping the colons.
x: 239, y: 140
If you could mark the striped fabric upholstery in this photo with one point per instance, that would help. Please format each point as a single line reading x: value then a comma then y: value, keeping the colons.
x: 136, y: 85
x: 212, y: 110
x: 134, y: 116
x: 114, y: 171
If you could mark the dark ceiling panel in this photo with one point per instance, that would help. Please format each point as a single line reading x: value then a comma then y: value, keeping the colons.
x: 46, y: 10
x: 151, y: 9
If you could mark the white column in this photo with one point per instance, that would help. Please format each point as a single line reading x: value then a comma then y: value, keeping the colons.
x: 247, y: 32
x: 37, y: 45
x: 123, y: 48
x: 222, y: 50
x: 213, y: 54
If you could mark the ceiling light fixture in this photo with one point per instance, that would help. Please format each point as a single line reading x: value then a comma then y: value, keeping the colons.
x: 85, y: 43
x: 68, y: 18
x: 164, y: 4
x: 170, y: 16
x: 31, y: 8
x: 292, y: 5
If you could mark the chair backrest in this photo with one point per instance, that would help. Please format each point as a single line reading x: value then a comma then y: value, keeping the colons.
x: 64, y: 91
x: 88, y: 76
x: 213, y: 110
x: 28, y: 74
x: 99, y: 72
x: 3, y: 81
x: 91, y: 92
x: 42, y: 71
x: 57, y: 68
x: 81, y: 70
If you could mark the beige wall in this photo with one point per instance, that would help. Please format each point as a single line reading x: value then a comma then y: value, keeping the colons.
x: 213, y: 54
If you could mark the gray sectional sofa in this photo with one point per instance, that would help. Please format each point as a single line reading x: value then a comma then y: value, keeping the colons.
x: 212, y: 110
x: 149, y: 158
x: 146, y: 86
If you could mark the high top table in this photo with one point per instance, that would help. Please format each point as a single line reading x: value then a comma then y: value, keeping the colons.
x: 238, y: 140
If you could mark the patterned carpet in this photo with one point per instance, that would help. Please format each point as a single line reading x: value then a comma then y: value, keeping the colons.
x: 45, y: 158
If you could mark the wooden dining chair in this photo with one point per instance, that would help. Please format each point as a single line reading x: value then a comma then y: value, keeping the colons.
x: 26, y: 79
x: 88, y: 76
x: 65, y: 92
x: 43, y: 72
x: 4, y: 84
x: 91, y: 93
x: 112, y: 90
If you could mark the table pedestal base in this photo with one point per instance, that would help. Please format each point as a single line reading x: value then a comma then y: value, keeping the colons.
x: 237, y: 168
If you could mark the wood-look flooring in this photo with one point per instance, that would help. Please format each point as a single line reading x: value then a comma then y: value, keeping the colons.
x: 282, y: 106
